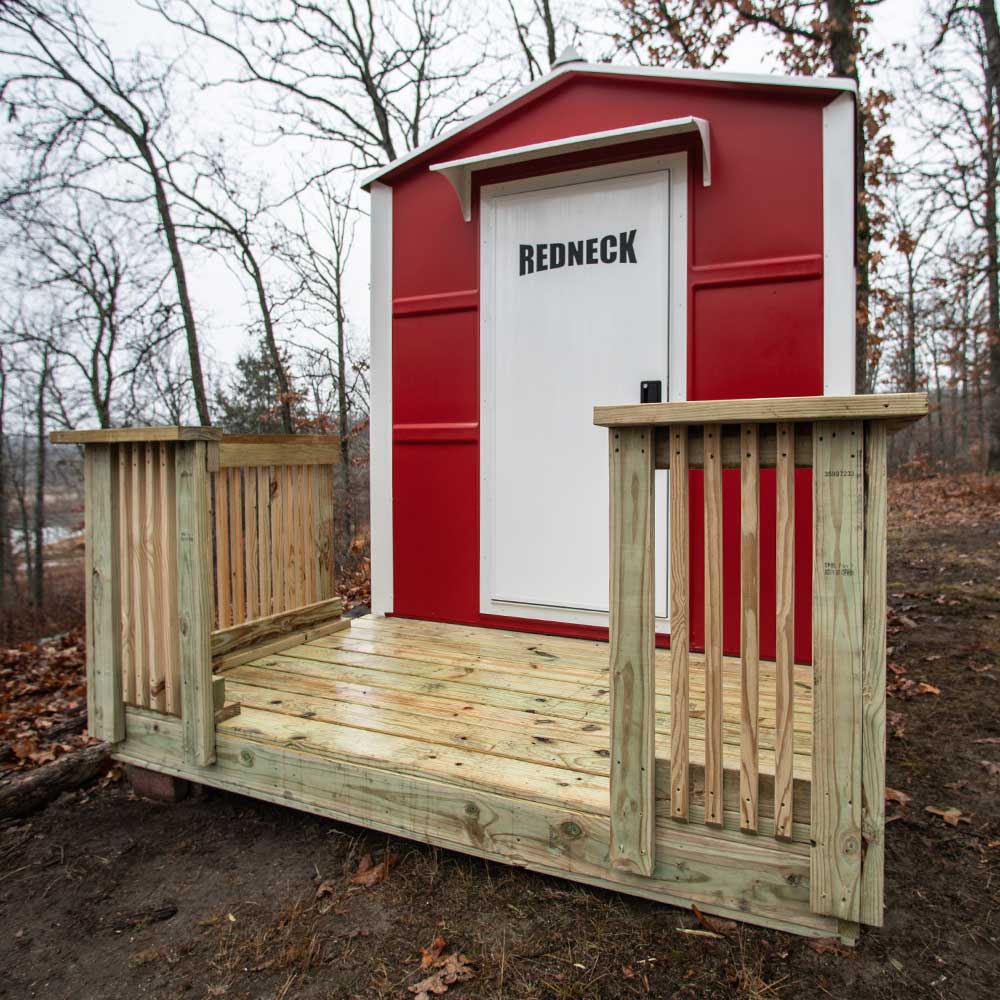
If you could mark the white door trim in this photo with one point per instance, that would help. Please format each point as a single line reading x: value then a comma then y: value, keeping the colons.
x: 676, y: 389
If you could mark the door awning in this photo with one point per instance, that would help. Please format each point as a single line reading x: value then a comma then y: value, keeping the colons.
x: 459, y: 172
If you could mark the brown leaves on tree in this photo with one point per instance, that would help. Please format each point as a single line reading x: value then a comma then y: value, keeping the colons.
x: 449, y: 968
x: 43, y: 701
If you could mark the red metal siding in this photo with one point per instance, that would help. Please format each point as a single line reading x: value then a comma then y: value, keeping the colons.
x: 755, y: 319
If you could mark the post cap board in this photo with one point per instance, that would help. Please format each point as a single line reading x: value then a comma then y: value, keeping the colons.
x: 136, y: 435
x: 900, y: 408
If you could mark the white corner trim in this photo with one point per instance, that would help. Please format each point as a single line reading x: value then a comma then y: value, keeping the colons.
x: 380, y: 409
x: 459, y: 172
x: 605, y: 69
x: 839, y: 289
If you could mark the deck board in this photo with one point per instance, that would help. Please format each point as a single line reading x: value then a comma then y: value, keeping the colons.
x: 535, y: 700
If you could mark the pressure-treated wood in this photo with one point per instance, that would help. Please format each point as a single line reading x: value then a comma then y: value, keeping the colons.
x: 713, y: 626
x: 632, y: 650
x: 679, y: 617
x: 732, y: 453
x: 249, y: 634
x: 123, y: 457
x: 749, y: 622
x: 223, y: 578
x: 873, y: 680
x: 900, y: 407
x: 106, y: 708
x: 784, y: 631
x: 239, y: 450
x: 194, y: 603
x: 838, y: 553
x: 135, y: 435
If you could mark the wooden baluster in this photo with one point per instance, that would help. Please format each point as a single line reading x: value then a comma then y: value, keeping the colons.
x: 152, y: 575
x: 223, y: 601
x: 264, y: 539
x: 252, y: 554
x: 303, y: 538
x: 749, y: 623
x: 838, y: 560
x: 784, y: 736
x: 139, y: 610
x: 278, y: 538
x: 123, y: 549
x: 289, y: 550
x: 632, y: 651
x: 237, y: 552
x: 168, y: 578
x: 679, y: 617
x: 713, y: 625
x: 323, y: 531
x: 873, y: 678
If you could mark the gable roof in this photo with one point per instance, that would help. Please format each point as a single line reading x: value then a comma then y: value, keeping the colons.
x: 606, y: 69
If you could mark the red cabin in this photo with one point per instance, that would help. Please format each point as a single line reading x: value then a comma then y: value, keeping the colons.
x: 605, y: 234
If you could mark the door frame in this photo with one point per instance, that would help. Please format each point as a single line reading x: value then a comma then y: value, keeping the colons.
x: 676, y: 388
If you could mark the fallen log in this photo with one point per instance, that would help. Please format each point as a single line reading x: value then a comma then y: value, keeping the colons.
x: 26, y: 792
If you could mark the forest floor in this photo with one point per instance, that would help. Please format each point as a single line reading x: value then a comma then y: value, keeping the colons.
x: 103, y: 895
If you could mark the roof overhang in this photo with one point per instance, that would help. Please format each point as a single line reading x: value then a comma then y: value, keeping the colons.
x: 707, y: 77
x: 459, y: 172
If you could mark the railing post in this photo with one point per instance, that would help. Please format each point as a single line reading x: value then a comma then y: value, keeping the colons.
x: 105, y: 704
x: 632, y: 648
x: 838, y: 563
x: 194, y: 601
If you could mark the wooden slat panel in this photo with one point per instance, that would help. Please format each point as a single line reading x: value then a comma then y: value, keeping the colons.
x: 732, y: 456
x: 106, y: 708
x: 252, y: 554
x: 838, y: 551
x: 287, y: 552
x: 194, y: 584
x: 237, y: 551
x: 264, y: 538
x: 303, y: 507
x: 679, y: 619
x: 323, y: 531
x: 223, y: 600
x: 873, y: 679
x: 123, y: 456
x: 236, y: 450
x: 632, y: 652
x: 713, y: 626
x: 784, y: 635
x: 139, y: 593
x: 153, y: 547
x: 749, y: 624
x: 168, y: 580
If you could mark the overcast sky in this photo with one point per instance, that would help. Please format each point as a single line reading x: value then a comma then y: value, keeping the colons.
x: 220, y: 115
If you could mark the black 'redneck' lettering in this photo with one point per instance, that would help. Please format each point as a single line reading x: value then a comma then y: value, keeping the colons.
x: 610, y: 249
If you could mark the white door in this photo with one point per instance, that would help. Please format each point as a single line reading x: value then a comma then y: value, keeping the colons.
x: 576, y: 313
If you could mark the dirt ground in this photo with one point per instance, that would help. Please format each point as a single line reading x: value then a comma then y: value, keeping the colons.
x: 106, y: 896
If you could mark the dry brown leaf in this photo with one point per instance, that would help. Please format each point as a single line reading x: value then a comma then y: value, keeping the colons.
x: 454, y: 968
x: 924, y: 688
x: 428, y: 956
x: 989, y: 739
x: 951, y: 816
x: 827, y: 946
x: 991, y: 766
x: 894, y: 795
x: 370, y: 874
x: 713, y: 924
x: 326, y: 888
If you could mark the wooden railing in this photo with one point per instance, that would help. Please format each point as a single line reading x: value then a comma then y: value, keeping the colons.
x: 177, y: 516
x: 843, y: 440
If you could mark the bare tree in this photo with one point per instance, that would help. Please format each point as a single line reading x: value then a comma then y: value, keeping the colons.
x: 380, y: 78
x: 813, y: 36
x: 537, y: 28
x: 80, y: 109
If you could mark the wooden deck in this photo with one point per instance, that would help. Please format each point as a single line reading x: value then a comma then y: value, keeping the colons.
x: 498, y: 744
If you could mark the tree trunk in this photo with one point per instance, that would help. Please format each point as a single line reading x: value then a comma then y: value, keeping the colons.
x: 344, y: 425
x: 992, y: 281
x: 284, y: 386
x: 38, y: 588
x: 180, y: 277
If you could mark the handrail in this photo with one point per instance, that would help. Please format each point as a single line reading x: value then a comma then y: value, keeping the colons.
x: 843, y: 440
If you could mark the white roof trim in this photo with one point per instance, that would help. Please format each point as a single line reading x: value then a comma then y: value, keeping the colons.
x: 459, y: 172
x: 752, y: 79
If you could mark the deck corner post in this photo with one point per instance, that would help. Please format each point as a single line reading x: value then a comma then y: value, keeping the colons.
x: 194, y: 602
x: 837, y: 641
x: 632, y: 650
x: 105, y: 700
